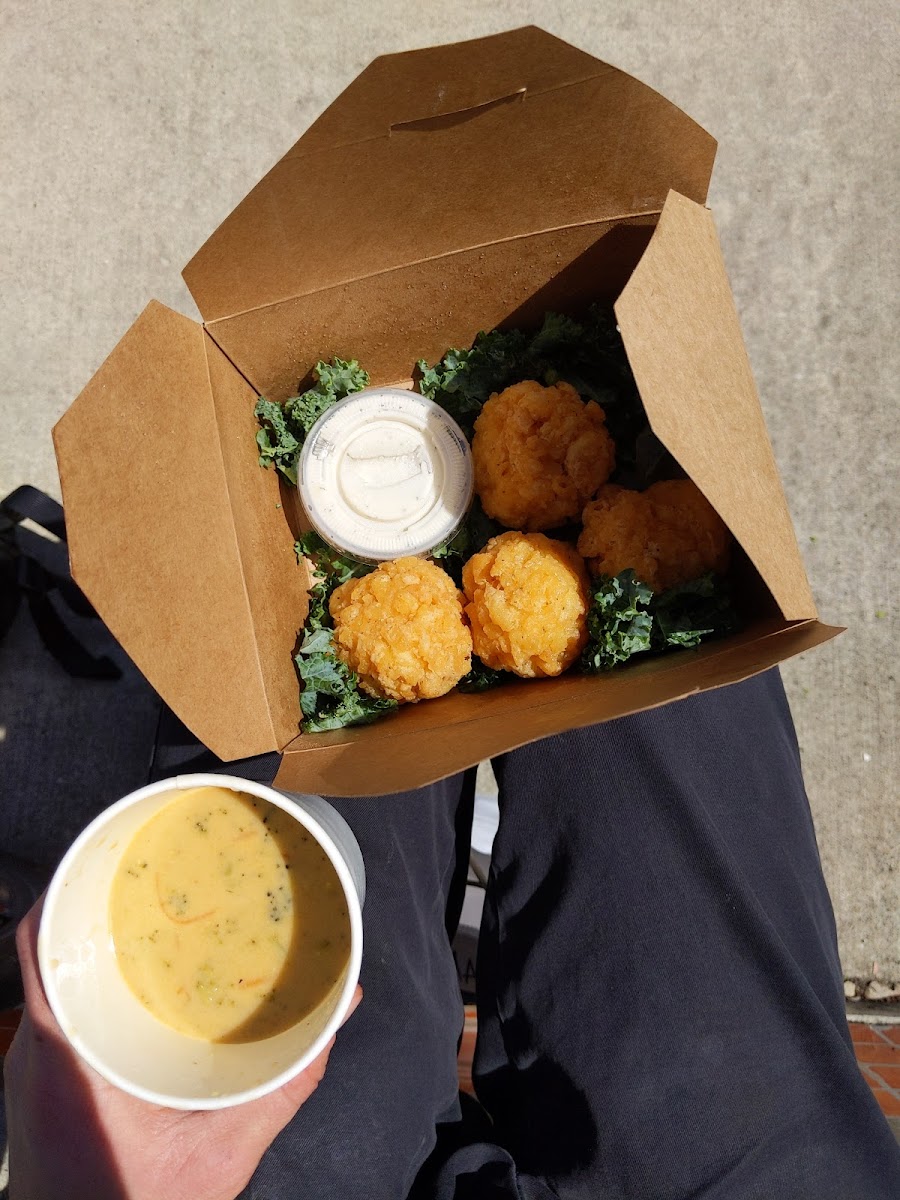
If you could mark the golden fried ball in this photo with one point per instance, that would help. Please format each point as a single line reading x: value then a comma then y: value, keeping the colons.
x: 618, y: 533
x: 668, y: 534
x: 527, y: 602
x: 401, y: 629
x: 539, y: 454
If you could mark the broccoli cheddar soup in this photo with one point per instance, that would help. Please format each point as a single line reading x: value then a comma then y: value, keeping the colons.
x: 228, y: 918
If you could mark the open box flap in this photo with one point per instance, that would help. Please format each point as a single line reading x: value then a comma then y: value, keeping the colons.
x: 275, y: 585
x: 423, y: 743
x: 152, y: 540
x: 680, y: 327
x: 435, y: 151
x: 389, y: 322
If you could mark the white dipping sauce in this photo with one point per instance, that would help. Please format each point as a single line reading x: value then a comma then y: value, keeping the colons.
x: 385, y: 473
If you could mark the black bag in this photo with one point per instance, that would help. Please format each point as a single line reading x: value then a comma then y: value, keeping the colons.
x: 37, y: 570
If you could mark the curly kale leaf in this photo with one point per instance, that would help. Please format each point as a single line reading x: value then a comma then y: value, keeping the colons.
x: 464, y: 379
x: 692, y: 612
x: 480, y: 677
x: 619, y: 624
x: 334, y: 381
x: 339, y: 378
x: 330, y: 697
x: 330, y: 566
x: 558, y: 334
x: 626, y: 618
x: 283, y: 428
x: 352, y: 708
x: 278, y: 444
x: 453, y: 547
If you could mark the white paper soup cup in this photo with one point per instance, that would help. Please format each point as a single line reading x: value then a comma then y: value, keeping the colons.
x: 103, y: 1019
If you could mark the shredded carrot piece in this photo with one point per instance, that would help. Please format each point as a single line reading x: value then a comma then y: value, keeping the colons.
x: 246, y: 983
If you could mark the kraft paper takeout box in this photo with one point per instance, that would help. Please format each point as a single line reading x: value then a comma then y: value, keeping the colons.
x: 447, y: 190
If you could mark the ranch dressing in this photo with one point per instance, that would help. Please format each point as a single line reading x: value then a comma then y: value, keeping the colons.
x: 385, y: 473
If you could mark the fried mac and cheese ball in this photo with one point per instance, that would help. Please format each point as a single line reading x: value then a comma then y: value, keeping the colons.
x: 540, y: 453
x: 668, y: 534
x: 401, y: 629
x: 527, y: 601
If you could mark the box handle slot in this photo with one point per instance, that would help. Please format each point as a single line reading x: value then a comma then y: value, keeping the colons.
x: 458, y: 117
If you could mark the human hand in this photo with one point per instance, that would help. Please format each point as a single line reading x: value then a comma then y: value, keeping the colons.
x: 73, y: 1134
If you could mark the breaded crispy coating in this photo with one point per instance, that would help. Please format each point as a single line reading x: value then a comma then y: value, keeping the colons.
x: 668, y: 534
x: 527, y: 601
x: 401, y: 629
x: 540, y: 453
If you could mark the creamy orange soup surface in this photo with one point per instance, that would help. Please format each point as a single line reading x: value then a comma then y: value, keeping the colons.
x: 229, y: 921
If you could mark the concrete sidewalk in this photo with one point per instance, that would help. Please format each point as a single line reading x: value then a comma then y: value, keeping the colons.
x: 130, y: 131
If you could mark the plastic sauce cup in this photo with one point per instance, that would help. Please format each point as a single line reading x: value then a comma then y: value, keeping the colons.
x: 106, y: 1023
x: 385, y: 473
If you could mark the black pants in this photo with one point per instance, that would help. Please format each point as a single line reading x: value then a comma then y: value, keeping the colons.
x: 660, y: 1002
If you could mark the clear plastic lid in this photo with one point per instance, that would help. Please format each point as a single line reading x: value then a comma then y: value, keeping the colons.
x: 385, y: 473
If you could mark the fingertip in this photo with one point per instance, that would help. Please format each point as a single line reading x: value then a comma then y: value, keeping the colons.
x: 353, y: 1006
x: 27, y: 931
x: 27, y: 954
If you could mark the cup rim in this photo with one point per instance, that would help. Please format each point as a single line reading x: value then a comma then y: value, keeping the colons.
x: 55, y: 889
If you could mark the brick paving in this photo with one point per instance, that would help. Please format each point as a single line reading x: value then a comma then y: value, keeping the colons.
x: 467, y: 1051
x: 9, y: 1023
x: 878, y: 1054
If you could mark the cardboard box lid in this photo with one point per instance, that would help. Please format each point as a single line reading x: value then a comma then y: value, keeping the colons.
x: 444, y: 149
x: 677, y: 318
x: 177, y: 537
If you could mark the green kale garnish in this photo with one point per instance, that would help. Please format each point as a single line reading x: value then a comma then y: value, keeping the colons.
x: 283, y: 428
x: 464, y: 379
x: 330, y: 697
x: 278, y: 443
x: 456, y: 546
x: 480, y: 677
x: 692, y: 612
x: 626, y: 618
x: 619, y: 624
x: 334, y: 381
x: 330, y: 566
